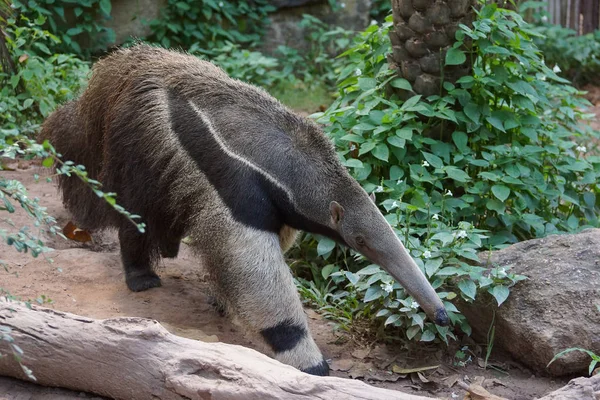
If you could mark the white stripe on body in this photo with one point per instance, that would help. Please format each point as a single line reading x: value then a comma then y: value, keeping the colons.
x: 205, y: 118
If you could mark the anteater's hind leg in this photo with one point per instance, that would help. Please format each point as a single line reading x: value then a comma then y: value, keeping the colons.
x: 252, y: 277
x: 138, y: 256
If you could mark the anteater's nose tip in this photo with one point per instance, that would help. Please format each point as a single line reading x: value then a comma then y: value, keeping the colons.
x: 441, y: 317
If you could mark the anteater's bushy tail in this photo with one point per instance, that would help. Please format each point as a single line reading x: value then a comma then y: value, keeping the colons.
x: 66, y: 131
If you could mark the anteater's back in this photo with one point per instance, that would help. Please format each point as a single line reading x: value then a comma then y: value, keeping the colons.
x: 119, y: 129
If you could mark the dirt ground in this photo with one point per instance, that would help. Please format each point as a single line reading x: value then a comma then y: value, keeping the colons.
x: 87, y: 279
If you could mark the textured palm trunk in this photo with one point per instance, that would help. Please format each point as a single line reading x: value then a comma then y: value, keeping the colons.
x: 423, y: 31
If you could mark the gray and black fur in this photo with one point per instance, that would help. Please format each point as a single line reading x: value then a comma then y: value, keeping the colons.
x: 197, y: 153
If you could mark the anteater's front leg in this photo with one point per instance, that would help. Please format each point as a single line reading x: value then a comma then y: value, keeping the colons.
x: 138, y: 256
x: 253, y: 278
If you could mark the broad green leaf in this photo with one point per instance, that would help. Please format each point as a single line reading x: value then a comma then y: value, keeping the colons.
x: 427, y: 336
x: 457, y: 174
x: 48, y: 162
x: 468, y: 287
x: 455, y: 57
x: 373, y: 293
x: 391, y: 319
x: 460, y: 140
x: 381, y: 151
x: 495, y: 205
x: 327, y: 270
x: 396, y: 141
x: 500, y: 292
x: 401, y: 83
x: 325, y: 246
x: 433, y: 160
x: 501, y: 192
x: 496, y: 123
x: 105, y: 6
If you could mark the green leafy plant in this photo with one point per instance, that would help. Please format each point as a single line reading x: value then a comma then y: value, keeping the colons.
x: 577, y: 56
x: 73, y: 22
x: 497, y: 157
x: 40, y: 80
x: 210, y: 23
x: 594, y: 356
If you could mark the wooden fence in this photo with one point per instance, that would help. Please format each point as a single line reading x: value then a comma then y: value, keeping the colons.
x: 583, y: 16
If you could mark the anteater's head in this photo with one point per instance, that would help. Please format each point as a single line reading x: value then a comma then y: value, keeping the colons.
x: 358, y: 221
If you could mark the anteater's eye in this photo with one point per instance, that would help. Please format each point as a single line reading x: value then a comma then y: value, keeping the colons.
x: 360, y: 241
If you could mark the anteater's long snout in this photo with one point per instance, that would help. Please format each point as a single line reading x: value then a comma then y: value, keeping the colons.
x: 397, y: 262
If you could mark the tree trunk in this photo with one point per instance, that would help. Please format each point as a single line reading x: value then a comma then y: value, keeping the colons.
x: 423, y: 31
x: 135, y: 358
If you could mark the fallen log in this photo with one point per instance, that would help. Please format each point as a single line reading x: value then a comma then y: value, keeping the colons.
x: 137, y: 358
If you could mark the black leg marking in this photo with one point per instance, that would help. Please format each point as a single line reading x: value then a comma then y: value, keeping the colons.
x: 284, y: 336
x: 136, y: 255
x: 321, y: 369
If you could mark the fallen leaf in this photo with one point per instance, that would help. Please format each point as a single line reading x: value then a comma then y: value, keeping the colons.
x: 422, y: 378
x: 451, y: 380
x: 383, y: 376
x: 361, y: 353
x: 360, y: 370
x: 399, y: 370
x: 342, y: 365
x: 476, y: 392
x: 74, y: 233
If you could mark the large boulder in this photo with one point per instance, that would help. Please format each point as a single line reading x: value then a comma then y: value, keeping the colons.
x: 285, y: 28
x: 558, y: 307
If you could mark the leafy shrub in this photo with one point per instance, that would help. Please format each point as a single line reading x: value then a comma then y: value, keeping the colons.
x: 72, y: 22
x: 577, y: 56
x: 210, y: 23
x: 498, y: 159
x: 41, y: 79
x: 246, y: 65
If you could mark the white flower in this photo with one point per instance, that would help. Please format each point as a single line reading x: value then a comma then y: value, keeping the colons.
x: 544, y: 18
x: 399, y: 181
x: 373, y: 22
x: 414, y: 305
x: 425, y: 164
x: 395, y: 204
x: 358, y: 72
x: 448, y: 193
x: 427, y: 254
x: 379, y: 189
x: 352, y: 148
x: 436, y: 217
x: 556, y: 69
x: 581, y: 149
x: 388, y: 287
x: 543, y: 77
x: 461, y: 234
x: 343, y: 5
x: 221, y: 4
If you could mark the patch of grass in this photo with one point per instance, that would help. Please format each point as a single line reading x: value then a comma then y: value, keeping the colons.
x: 303, y: 97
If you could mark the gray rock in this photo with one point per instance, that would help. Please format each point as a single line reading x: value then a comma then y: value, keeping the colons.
x: 285, y: 28
x: 556, y: 308
x: 127, y: 18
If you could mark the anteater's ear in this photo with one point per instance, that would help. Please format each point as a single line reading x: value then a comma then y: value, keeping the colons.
x: 372, y: 197
x: 337, y: 212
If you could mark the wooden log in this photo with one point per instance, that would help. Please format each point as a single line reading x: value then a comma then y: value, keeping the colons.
x: 136, y: 358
